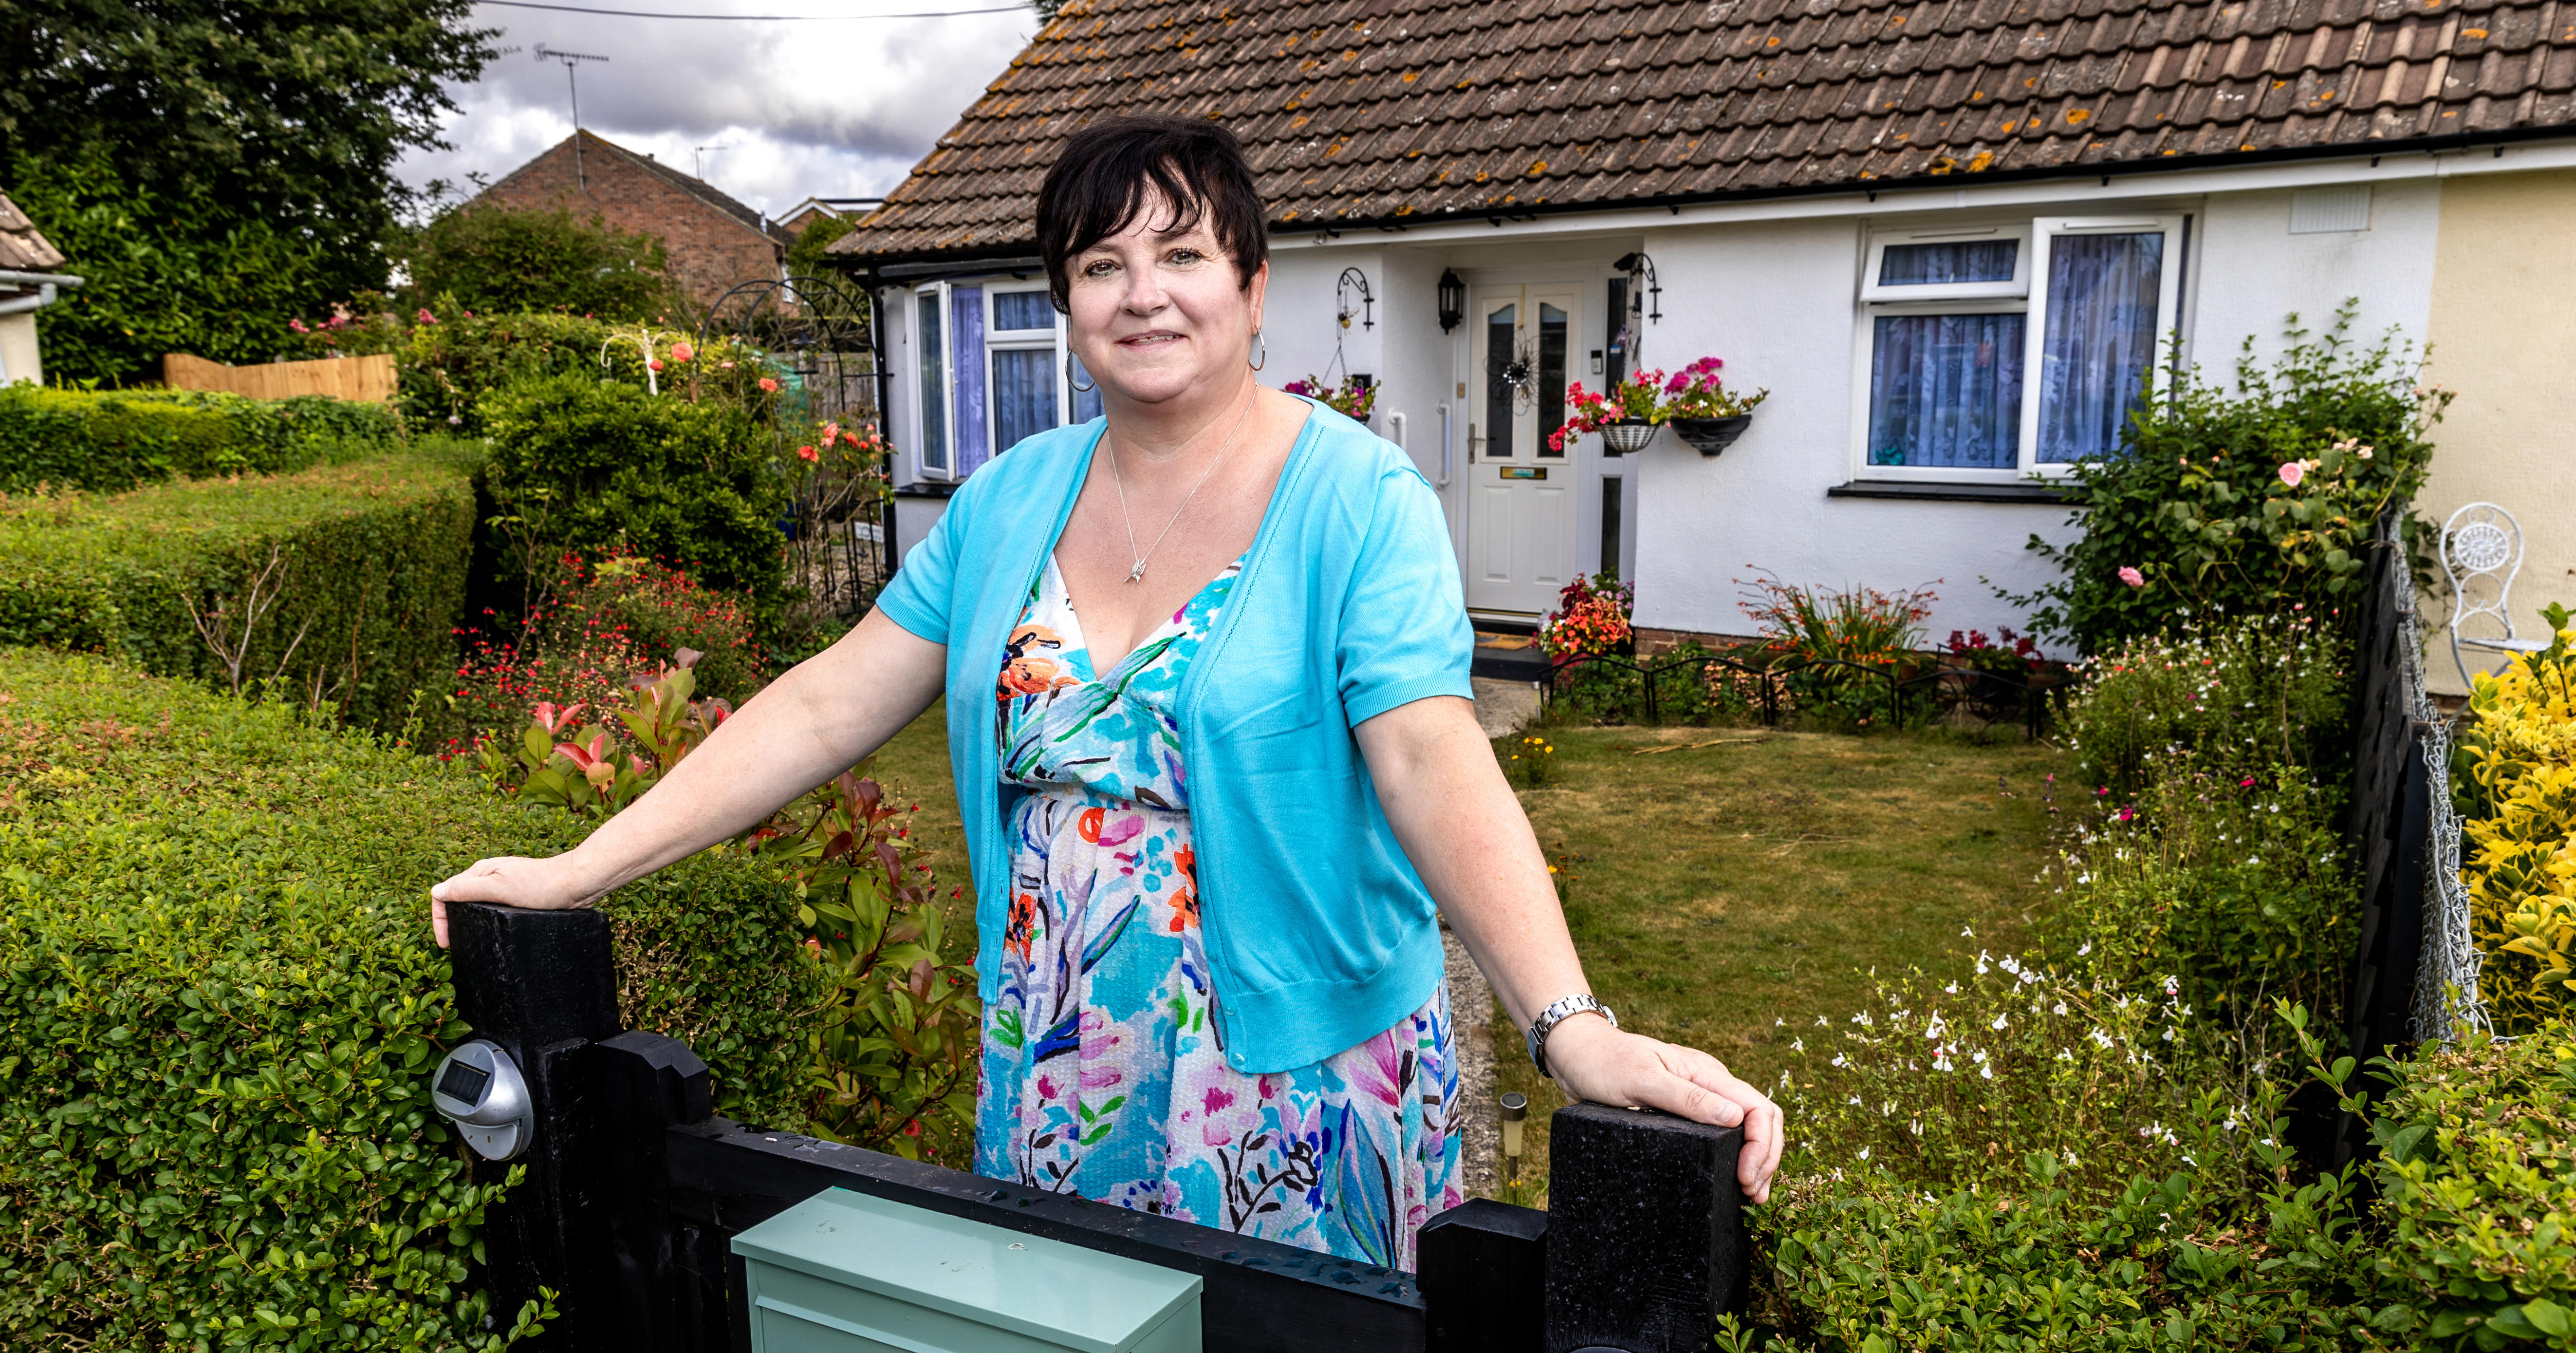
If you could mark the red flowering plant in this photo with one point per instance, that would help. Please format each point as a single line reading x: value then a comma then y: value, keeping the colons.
x: 1590, y: 620
x: 2006, y: 654
x: 1635, y: 399
x: 1353, y: 398
x: 1696, y: 392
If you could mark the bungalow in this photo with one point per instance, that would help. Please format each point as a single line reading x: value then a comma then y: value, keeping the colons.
x: 1947, y: 235
x: 28, y: 283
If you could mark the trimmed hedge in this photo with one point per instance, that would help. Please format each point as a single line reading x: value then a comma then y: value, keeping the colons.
x: 591, y: 467
x: 219, y: 1005
x: 75, y: 439
x: 369, y: 569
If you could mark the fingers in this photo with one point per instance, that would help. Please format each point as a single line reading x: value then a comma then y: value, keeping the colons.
x: 438, y: 921
x: 1764, y: 1125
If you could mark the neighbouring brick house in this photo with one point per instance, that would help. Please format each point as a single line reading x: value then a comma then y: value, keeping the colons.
x: 714, y: 242
x: 1949, y: 236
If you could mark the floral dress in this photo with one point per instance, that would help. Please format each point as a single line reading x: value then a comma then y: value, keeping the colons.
x: 1102, y: 1075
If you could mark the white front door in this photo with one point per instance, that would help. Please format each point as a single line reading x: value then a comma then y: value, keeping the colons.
x: 1520, y: 492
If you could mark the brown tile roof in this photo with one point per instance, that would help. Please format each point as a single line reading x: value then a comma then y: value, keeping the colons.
x: 1384, y: 110
x: 22, y: 249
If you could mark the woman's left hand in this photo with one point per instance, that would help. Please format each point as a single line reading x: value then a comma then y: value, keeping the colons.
x: 1602, y: 1065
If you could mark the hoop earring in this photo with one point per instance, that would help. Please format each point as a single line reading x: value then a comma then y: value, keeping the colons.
x: 1265, y: 350
x: 1068, y: 378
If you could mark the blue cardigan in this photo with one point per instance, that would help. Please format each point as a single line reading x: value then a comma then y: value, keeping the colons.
x: 1319, y: 932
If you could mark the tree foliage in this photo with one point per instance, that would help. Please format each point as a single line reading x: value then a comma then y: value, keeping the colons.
x: 495, y: 260
x: 213, y: 168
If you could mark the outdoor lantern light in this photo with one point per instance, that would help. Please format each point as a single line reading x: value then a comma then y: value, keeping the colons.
x: 1515, y: 1109
x: 1453, y: 300
x: 478, y: 1088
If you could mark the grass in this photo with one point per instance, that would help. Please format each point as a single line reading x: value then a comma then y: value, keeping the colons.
x: 1718, y: 880
x: 1726, y: 887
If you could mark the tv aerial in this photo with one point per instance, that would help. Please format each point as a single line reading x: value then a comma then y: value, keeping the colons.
x: 572, y: 81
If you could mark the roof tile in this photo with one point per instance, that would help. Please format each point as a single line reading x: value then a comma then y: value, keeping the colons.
x: 1629, y: 99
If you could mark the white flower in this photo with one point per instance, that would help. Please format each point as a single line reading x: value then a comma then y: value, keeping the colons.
x: 1839, y: 1060
x: 1987, y: 1071
x: 1967, y: 932
x: 2064, y: 1056
x: 2101, y: 1038
x: 1864, y: 1153
x: 1797, y: 1045
x: 1952, y: 989
x: 2061, y: 1007
x: 1855, y: 1099
x: 1999, y: 1023
x: 2088, y: 948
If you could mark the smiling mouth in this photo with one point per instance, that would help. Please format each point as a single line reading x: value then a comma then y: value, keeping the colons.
x: 1147, y: 340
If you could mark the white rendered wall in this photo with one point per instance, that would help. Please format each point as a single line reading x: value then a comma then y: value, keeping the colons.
x: 2254, y: 273
x: 1776, y: 301
x: 18, y: 353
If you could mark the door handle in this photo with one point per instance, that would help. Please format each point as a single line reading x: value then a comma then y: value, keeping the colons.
x: 1444, y: 446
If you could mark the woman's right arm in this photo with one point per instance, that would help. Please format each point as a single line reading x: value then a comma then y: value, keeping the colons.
x: 811, y: 724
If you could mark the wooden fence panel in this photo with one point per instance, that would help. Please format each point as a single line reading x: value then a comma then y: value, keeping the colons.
x: 366, y: 380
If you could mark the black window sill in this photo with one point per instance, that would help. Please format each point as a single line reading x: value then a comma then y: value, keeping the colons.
x: 2041, y: 494
x: 926, y: 488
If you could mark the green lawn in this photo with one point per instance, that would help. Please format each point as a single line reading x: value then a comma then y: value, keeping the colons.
x: 1722, y: 879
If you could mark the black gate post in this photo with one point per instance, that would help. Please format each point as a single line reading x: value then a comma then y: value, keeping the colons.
x: 1646, y: 1244
x: 1482, y: 1266
x: 672, y: 1277
x: 543, y: 985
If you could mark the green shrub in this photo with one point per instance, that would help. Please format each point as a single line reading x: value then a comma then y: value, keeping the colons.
x: 2195, y: 507
x: 2518, y: 758
x: 340, y: 584
x: 587, y: 467
x: 219, y: 1005
x: 2218, y: 762
x: 70, y: 439
x: 503, y: 260
x: 2477, y: 1187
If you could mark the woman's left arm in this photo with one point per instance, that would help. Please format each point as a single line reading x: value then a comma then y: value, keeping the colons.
x: 1467, y: 836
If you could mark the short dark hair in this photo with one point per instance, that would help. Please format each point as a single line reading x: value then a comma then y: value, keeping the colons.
x: 1107, y: 171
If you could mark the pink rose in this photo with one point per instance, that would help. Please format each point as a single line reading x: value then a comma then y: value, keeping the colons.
x: 655, y: 364
x: 769, y: 385
x: 2132, y: 577
x: 681, y: 351
x: 2292, y: 472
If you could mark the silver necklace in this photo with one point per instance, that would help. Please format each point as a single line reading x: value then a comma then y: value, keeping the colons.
x: 1137, y: 573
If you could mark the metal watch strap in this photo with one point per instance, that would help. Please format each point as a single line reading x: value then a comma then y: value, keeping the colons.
x: 1555, y: 1015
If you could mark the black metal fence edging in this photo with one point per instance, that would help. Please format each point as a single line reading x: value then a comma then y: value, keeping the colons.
x: 634, y: 1189
x: 1939, y: 691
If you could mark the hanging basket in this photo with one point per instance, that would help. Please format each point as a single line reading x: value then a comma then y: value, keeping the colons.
x: 1627, y: 436
x: 1708, y: 436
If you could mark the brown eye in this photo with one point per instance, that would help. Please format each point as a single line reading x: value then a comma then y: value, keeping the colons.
x: 1099, y: 268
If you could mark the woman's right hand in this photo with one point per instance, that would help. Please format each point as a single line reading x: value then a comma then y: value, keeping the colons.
x: 550, y: 884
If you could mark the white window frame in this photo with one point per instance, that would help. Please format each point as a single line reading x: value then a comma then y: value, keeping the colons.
x: 945, y: 467
x: 2026, y: 295
x: 999, y: 339
x: 2168, y: 315
x: 1871, y: 289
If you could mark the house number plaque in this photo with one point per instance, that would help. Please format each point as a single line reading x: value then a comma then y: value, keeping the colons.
x: 1524, y: 472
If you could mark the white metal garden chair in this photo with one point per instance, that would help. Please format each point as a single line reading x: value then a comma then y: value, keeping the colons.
x: 2482, y: 547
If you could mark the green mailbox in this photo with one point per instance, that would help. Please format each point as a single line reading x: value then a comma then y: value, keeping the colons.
x: 842, y: 1272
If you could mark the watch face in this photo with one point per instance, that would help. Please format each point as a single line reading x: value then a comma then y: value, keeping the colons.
x: 464, y: 1082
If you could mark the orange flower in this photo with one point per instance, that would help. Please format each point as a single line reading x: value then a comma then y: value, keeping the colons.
x: 769, y: 385
x: 807, y: 453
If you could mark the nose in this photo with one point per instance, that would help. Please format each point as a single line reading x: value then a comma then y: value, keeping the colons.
x: 1145, y: 295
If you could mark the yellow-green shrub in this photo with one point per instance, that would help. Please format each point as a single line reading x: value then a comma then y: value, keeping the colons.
x: 2520, y: 847
x: 219, y: 1005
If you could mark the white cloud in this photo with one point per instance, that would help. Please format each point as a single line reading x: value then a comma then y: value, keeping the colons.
x: 831, y: 109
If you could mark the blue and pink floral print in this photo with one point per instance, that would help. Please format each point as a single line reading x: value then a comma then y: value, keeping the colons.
x: 1102, y: 1075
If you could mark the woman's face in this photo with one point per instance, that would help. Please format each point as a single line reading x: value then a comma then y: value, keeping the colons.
x: 1156, y: 314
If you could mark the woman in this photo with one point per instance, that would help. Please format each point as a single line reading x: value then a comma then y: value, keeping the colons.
x: 1232, y: 765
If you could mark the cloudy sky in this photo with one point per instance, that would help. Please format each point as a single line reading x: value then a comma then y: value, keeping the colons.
x: 840, y: 108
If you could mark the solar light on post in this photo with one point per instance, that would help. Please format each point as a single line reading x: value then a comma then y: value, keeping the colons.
x: 1515, y: 1110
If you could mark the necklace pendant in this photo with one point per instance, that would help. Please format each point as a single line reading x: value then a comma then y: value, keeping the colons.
x: 1137, y: 573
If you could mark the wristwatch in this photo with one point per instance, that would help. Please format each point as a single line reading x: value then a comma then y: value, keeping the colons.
x: 1555, y: 1015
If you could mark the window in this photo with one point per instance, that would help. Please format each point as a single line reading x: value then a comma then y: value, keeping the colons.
x: 991, y: 369
x: 1025, y: 394
x: 932, y: 365
x: 1997, y: 352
